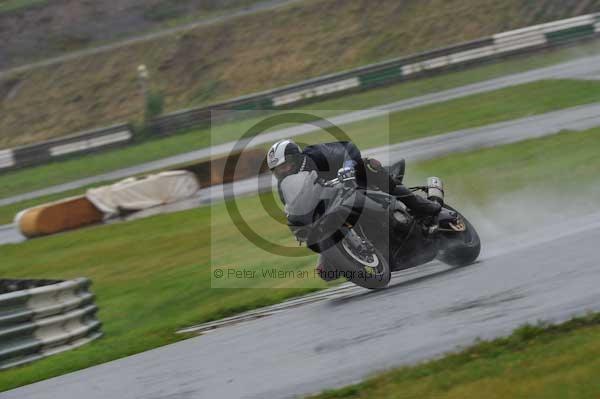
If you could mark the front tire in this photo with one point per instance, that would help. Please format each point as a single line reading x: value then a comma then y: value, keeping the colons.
x: 372, y: 273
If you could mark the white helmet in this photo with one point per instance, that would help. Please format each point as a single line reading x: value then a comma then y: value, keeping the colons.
x: 284, y: 158
x: 281, y: 151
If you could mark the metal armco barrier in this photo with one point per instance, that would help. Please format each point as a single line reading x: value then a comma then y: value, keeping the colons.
x: 500, y: 45
x: 504, y: 44
x: 7, y: 159
x: 51, y: 317
x: 80, y: 143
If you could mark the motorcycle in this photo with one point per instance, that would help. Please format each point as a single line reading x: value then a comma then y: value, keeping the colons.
x: 364, y: 235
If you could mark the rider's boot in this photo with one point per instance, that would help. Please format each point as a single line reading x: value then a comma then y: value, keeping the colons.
x: 418, y: 205
x: 324, y: 271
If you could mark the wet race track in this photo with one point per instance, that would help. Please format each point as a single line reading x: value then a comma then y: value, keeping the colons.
x: 340, y: 336
x: 9, y: 234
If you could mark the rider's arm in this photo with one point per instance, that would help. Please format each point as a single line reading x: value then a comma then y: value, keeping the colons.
x: 349, y: 163
x: 351, y: 157
x: 351, y: 151
x: 280, y: 193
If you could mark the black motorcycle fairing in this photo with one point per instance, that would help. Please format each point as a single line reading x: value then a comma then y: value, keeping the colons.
x: 358, y: 206
x: 331, y: 227
x: 372, y: 211
x: 339, y: 208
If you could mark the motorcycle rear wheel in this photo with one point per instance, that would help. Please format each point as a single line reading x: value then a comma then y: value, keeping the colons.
x: 460, y: 248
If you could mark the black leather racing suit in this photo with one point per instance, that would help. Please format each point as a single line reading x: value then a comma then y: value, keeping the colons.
x: 328, y: 158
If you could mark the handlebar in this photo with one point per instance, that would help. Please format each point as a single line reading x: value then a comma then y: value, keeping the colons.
x: 337, y: 180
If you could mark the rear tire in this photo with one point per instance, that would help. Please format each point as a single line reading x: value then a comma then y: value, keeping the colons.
x: 460, y: 249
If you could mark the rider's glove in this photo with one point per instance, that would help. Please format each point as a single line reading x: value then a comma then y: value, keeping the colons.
x: 347, y: 171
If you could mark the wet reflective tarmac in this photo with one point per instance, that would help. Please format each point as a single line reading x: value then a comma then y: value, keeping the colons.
x: 551, y: 274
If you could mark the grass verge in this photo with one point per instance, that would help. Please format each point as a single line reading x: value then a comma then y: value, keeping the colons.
x: 543, y: 361
x: 153, y: 276
x: 15, y: 5
x: 500, y: 105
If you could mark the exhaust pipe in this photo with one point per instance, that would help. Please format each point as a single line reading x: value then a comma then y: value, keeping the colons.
x: 435, y: 190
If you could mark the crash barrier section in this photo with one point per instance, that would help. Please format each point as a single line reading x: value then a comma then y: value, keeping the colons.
x: 39, y: 318
x: 58, y: 216
x: 85, y: 210
x: 79, y: 143
x: 136, y: 194
x: 529, y: 39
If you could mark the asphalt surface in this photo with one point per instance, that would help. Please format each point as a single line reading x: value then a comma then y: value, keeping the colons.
x: 9, y: 234
x: 571, y: 119
x: 583, y: 68
x: 550, y: 275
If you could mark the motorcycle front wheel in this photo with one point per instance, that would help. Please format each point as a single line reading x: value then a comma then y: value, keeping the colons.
x: 370, y: 270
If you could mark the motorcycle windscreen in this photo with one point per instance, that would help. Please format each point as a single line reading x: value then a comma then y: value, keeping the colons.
x: 301, y: 193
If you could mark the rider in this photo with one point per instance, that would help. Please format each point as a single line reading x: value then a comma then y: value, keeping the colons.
x: 286, y: 158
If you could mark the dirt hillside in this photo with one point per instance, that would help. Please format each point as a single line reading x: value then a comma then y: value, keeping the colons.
x: 251, y: 53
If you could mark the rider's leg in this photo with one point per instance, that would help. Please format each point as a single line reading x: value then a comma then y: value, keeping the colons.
x: 416, y: 203
x: 376, y: 175
x: 324, y: 271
